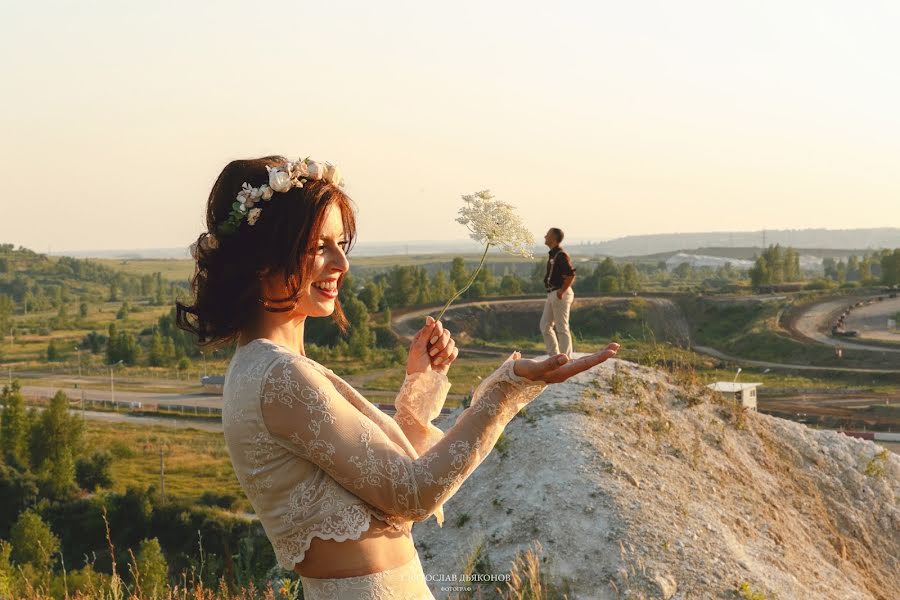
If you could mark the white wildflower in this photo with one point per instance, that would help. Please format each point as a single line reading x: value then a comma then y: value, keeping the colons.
x: 492, y: 223
x: 496, y: 223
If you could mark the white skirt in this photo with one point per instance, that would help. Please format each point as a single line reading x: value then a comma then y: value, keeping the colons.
x: 406, y: 582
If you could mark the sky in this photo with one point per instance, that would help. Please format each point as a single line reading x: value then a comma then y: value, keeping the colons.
x: 602, y: 118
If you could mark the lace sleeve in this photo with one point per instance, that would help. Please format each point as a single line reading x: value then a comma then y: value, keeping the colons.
x: 419, y: 402
x: 305, y: 413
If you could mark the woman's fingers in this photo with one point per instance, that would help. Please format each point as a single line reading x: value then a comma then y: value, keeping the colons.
x: 446, y: 350
x: 436, y: 332
x: 559, y: 368
x: 445, y: 364
x: 422, y: 336
x: 439, y: 345
x: 584, y: 363
x: 536, y: 369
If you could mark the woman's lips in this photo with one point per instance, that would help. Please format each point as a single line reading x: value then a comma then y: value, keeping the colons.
x: 329, y: 293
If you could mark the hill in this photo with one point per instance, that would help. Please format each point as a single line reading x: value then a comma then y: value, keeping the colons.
x: 834, y: 239
x: 638, y: 484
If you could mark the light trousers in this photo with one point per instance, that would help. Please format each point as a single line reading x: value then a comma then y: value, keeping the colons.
x: 555, y: 323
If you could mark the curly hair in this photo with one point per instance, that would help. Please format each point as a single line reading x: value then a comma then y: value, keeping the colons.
x: 226, y: 286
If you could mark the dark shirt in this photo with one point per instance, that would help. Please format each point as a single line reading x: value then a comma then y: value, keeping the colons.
x: 559, y: 267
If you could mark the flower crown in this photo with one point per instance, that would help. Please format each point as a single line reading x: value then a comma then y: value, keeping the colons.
x: 281, y: 179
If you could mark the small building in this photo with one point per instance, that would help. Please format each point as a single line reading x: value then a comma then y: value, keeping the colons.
x: 213, y: 383
x: 745, y: 393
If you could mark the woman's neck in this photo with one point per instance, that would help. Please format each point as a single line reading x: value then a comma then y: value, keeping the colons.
x: 285, y: 332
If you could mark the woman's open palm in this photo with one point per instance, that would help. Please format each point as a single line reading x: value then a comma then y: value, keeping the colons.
x: 557, y: 369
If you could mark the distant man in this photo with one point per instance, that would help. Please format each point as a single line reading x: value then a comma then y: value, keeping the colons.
x: 558, y: 281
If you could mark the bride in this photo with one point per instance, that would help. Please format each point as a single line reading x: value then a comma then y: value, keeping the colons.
x: 336, y: 483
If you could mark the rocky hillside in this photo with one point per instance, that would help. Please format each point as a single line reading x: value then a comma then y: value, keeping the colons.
x: 637, y: 484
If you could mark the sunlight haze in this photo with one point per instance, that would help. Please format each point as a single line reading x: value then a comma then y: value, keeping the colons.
x: 601, y: 118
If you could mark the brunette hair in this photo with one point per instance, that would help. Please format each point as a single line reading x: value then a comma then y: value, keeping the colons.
x: 226, y: 283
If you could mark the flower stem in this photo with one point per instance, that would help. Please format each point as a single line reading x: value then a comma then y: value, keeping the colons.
x: 465, y: 287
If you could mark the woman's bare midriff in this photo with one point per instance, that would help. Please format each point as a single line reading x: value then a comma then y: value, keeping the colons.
x: 378, y: 549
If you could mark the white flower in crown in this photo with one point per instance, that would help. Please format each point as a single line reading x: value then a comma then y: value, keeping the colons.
x: 333, y: 175
x: 316, y: 170
x: 279, y: 179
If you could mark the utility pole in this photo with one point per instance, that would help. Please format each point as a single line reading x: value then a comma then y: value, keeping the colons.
x: 78, y: 350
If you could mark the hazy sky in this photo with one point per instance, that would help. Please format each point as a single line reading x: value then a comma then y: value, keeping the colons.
x: 603, y: 118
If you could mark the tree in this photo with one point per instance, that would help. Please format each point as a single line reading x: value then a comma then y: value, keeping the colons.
x: 83, y: 310
x: 151, y: 569
x: 156, y: 356
x: 510, y: 285
x: 183, y: 364
x: 630, y: 278
x: 55, y: 432
x: 608, y: 285
x: 6, y: 310
x: 95, y: 471
x: 458, y: 274
x: 361, y: 336
x: 371, y: 295
x: 123, y: 311
x: 440, y: 285
x: 890, y: 267
x: 14, y: 426
x: 58, y: 477
x: 32, y: 541
x: 683, y: 271
x: 6, y: 570
x: 53, y: 351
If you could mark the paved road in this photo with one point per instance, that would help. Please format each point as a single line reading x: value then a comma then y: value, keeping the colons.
x: 817, y: 319
x: 145, y: 398
x: 774, y: 365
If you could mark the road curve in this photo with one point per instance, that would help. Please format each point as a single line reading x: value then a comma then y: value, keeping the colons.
x: 814, y: 321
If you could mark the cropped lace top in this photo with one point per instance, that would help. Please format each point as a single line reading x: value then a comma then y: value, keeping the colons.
x: 316, y: 459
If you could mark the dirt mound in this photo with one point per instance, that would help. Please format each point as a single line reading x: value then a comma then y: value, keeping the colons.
x: 640, y: 486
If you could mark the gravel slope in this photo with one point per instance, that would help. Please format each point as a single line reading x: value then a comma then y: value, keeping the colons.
x: 662, y: 490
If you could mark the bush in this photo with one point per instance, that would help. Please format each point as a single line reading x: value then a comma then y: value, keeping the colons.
x: 32, y: 541
x: 95, y: 471
x: 210, y: 498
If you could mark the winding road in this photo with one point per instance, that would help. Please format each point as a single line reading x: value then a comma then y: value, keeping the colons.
x: 816, y: 320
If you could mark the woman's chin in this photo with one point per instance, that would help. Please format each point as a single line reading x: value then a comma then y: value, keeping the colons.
x: 322, y: 309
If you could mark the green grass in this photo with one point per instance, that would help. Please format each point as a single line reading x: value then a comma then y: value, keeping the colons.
x: 195, y: 461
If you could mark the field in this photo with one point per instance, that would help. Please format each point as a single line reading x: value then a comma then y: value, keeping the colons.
x: 195, y: 462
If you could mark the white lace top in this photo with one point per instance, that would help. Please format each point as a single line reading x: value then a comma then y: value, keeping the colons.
x: 316, y: 459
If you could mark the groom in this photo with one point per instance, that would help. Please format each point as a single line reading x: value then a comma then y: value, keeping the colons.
x: 558, y: 281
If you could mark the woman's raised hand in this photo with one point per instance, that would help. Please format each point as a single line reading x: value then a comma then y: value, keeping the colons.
x: 431, y: 348
x: 558, y: 368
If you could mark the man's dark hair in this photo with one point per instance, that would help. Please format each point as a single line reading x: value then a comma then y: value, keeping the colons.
x: 558, y: 233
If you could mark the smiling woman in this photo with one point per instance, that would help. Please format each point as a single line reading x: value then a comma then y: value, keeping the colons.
x: 336, y: 483
x: 261, y: 245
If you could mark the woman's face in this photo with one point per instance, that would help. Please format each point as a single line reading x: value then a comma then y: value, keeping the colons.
x: 319, y: 292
